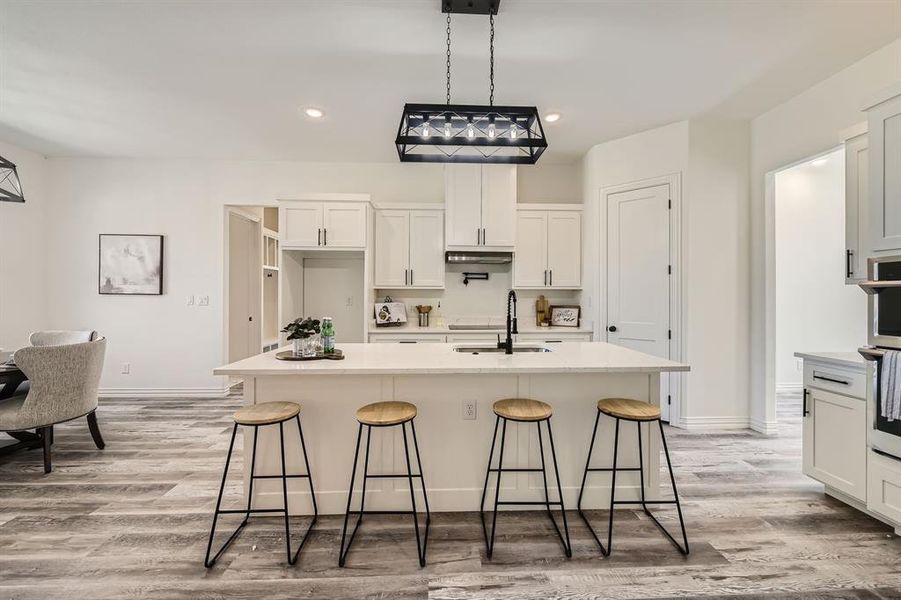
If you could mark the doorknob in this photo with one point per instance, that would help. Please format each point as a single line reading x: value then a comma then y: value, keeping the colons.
x: 612, y: 328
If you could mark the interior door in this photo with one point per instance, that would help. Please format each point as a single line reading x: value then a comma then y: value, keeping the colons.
x: 392, y: 248
x: 638, y: 264
x: 564, y: 248
x: 530, y: 259
x: 243, y: 322
x: 463, y: 197
x: 426, y: 248
x: 302, y: 225
x: 498, y: 205
x: 344, y: 225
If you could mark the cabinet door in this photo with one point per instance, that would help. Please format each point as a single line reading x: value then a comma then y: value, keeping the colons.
x: 463, y: 200
x: 835, y: 442
x: 885, y: 175
x: 427, y: 248
x: 564, y: 249
x: 856, y: 205
x: 301, y: 225
x: 884, y: 486
x: 344, y: 225
x: 392, y: 248
x: 499, y: 205
x: 530, y: 252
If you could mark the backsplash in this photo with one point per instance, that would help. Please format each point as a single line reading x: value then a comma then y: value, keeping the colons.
x: 479, y: 298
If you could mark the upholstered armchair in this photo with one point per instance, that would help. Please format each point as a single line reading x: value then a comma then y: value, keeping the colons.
x: 63, y: 386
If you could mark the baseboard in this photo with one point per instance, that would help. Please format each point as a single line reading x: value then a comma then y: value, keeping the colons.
x: 211, y: 392
x: 789, y: 388
x: 765, y: 427
x: 714, y: 423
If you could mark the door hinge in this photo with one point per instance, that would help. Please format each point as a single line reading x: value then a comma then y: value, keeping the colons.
x: 669, y: 400
x: 669, y: 269
x: 669, y: 204
x: 669, y: 334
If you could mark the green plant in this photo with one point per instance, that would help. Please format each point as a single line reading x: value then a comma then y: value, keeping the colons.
x: 301, y: 328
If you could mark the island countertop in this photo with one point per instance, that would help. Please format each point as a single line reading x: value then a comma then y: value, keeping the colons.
x: 418, y: 359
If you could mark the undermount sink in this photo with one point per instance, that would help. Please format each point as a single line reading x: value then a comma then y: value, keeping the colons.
x: 496, y: 350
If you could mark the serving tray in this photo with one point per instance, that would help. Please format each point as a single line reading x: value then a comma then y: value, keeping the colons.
x: 289, y: 355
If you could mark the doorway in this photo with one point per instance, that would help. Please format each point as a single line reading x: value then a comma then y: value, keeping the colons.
x: 639, y: 274
x: 243, y: 260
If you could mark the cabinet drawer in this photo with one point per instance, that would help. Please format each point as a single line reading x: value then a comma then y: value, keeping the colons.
x: 554, y: 338
x: 884, y: 486
x: 381, y: 338
x: 835, y: 379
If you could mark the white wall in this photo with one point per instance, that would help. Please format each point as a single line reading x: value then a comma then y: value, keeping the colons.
x: 23, y: 251
x: 546, y: 182
x: 815, y: 310
x: 804, y: 126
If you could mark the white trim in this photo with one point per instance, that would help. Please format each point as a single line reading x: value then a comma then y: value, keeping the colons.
x: 792, y: 387
x: 861, y: 128
x: 549, y: 206
x: 408, y: 205
x: 208, y: 392
x: 714, y: 423
x: 678, y: 305
x: 764, y: 427
x: 883, y: 95
x: 328, y: 197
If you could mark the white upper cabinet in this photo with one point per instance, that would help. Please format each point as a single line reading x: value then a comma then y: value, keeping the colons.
x: 884, y: 125
x: 481, y: 206
x: 548, y: 251
x: 856, y: 208
x: 318, y: 225
x: 409, y: 248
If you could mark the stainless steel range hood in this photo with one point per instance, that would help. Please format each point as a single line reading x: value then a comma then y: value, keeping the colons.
x: 478, y: 258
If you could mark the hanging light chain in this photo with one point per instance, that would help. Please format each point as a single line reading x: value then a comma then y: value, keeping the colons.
x: 491, y: 53
x: 448, y: 56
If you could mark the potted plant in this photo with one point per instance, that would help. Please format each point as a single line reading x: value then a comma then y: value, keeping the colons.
x: 303, y: 332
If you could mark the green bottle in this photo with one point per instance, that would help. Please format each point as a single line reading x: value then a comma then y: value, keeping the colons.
x: 328, y: 335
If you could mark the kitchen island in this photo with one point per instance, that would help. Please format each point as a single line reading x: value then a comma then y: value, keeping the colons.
x: 440, y: 380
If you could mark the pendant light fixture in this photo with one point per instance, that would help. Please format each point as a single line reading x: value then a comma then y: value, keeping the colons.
x: 470, y: 133
x: 10, y: 187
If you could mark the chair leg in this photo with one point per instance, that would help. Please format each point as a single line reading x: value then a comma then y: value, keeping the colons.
x: 684, y: 547
x: 497, y: 491
x: 425, y: 494
x: 420, y: 546
x: 606, y: 552
x: 47, y: 438
x: 95, y: 430
x: 342, y: 551
x: 207, y: 562
x: 567, y: 545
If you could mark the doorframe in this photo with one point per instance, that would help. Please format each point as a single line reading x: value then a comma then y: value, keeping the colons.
x: 258, y: 251
x: 676, y: 282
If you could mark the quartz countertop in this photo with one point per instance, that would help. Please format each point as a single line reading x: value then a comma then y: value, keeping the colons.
x: 419, y: 359
x: 851, y: 360
x: 497, y: 326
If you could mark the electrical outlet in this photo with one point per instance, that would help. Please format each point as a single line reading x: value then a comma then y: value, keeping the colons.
x: 349, y: 302
x: 204, y: 301
x: 469, y: 410
x: 126, y: 368
x: 190, y: 300
x: 799, y: 364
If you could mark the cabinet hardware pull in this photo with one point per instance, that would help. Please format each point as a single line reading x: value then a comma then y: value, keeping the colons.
x: 553, y: 341
x: 405, y: 276
x: 483, y: 237
x: 849, y: 264
x: 885, y: 454
x: 325, y: 237
x: 804, y: 411
x: 551, y: 279
x: 478, y: 236
x: 411, y: 276
x: 545, y: 277
x: 406, y: 341
x: 319, y: 236
x: 831, y: 379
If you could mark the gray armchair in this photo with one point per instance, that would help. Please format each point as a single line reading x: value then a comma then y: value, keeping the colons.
x: 64, y: 381
x: 60, y: 338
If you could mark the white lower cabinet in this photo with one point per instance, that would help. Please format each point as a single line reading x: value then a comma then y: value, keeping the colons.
x: 884, y: 486
x: 553, y: 338
x: 382, y: 338
x: 835, y: 441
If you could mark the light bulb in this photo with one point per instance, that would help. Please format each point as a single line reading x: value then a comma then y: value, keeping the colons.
x: 470, y: 131
x: 512, y: 131
x: 447, y: 128
x: 491, y: 130
x: 426, y: 130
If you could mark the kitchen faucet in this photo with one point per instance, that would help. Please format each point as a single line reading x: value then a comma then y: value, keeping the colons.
x: 507, y: 344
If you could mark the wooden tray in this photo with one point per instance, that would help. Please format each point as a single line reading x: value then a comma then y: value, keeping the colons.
x: 289, y: 355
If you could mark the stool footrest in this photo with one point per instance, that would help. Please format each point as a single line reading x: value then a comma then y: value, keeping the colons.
x: 645, y: 502
x: 391, y: 476
x: 241, y: 511
x: 514, y: 470
x: 384, y: 512
x: 528, y: 503
x: 609, y: 469
x: 301, y: 476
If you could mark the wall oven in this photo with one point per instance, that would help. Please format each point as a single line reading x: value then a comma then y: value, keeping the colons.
x: 883, y: 286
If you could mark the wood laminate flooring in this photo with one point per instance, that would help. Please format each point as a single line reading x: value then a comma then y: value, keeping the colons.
x: 131, y: 521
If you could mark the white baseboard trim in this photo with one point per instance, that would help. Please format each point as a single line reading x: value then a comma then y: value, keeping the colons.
x: 765, y: 427
x: 786, y: 388
x: 714, y: 423
x: 211, y: 392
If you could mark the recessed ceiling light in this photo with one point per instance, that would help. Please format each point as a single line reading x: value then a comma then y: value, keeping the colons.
x: 315, y: 113
x: 819, y: 162
x: 552, y: 117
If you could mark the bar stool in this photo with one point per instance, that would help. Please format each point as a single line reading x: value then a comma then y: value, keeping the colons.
x: 386, y: 414
x: 623, y: 409
x: 256, y: 416
x: 523, y: 410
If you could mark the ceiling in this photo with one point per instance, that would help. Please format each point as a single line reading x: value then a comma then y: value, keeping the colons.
x: 227, y: 79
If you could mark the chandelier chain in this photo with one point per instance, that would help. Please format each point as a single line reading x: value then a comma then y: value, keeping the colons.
x: 448, y: 57
x: 491, y: 53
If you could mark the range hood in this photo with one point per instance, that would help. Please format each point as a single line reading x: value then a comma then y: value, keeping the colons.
x: 478, y: 258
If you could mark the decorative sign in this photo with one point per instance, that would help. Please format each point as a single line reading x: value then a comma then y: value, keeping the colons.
x: 131, y: 264
x: 565, y: 316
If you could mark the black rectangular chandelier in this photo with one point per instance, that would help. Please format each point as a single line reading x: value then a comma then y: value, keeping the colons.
x: 469, y: 133
x: 10, y: 187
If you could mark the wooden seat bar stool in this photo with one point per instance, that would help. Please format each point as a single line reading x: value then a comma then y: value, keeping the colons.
x: 523, y: 410
x: 386, y: 414
x: 623, y: 409
x: 256, y: 416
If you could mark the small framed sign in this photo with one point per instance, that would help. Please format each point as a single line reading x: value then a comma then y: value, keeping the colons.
x: 565, y: 315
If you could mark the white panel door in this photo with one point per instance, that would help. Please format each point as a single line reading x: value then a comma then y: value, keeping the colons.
x: 884, y: 124
x: 426, y: 248
x: 638, y: 261
x: 243, y: 302
x: 301, y: 225
x: 344, y: 225
x: 530, y: 255
x: 463, y: 201
x: 564, y: 248
x: 835, y: 441
x: 856, y: 208
x: 392, y: 248
x: 499, y: 205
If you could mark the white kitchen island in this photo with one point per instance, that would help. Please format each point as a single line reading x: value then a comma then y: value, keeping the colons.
x: 438, y: 380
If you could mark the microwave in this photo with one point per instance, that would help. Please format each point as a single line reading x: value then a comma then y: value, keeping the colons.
x: 883, y: 286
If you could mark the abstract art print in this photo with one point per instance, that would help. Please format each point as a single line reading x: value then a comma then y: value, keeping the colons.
x: 131, y: 264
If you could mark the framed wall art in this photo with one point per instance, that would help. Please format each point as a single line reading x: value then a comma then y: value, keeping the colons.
x: 130, y: 265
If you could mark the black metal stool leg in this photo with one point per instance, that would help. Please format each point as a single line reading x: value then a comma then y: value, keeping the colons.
x: 606, y: 552
x: 419, y: 545
x: 489, y: 543
x: 281, y: 439
x: 567, y: 546
x: 641, y: 466
x: 497, y: 421
x: 342, y: 552
x: 207, y: 562
x: 425, y: 495
x: 684, y: 547
x: 253, y: 467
